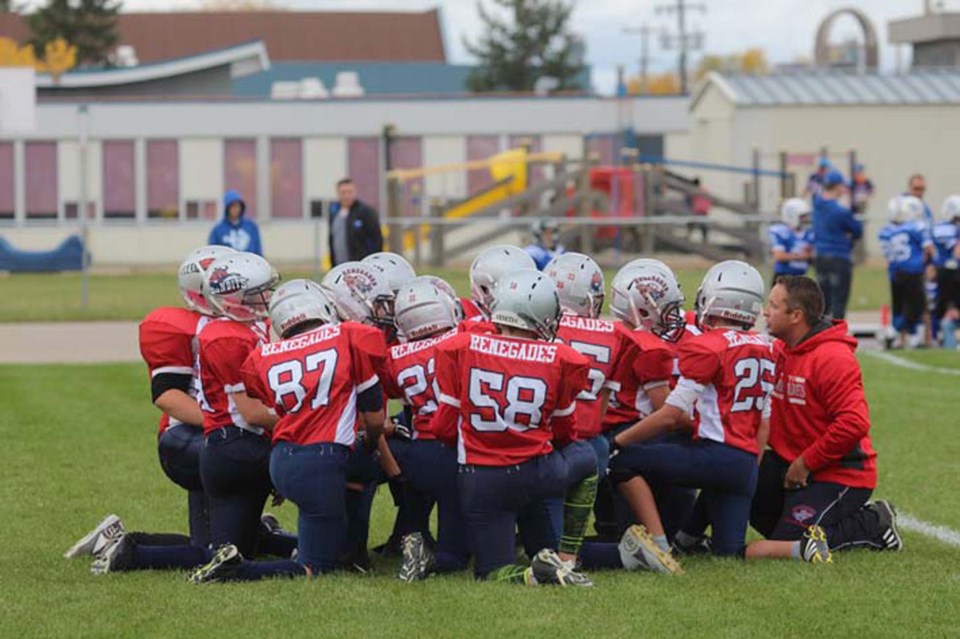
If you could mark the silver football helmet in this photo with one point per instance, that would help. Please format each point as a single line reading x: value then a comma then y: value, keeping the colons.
x: 951, y: 209
x: 647, y: 296
x: 579, y: 282
x: 905, y: 208
x: 299, y: 301
x: 239, y: 286
x: 394, y: 268
x: 527, y: 299
x: 795, y: 212
x: 360, y: 293
x: 191, y: 274
x: 423, y: 310
x: 732, y: 291
x: 487, y: 269
x: 447, y: 290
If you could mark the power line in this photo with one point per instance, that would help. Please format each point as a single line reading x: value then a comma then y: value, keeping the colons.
x: 683, y: 40
x: 644, y: 31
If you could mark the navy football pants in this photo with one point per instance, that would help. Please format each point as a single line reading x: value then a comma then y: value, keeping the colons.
x: 179, y: 451
x: 727, y: 477
x: 582, y: 459
x: 314, y: 477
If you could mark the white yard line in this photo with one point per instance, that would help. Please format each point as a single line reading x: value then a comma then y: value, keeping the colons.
x: 942, y: 534
x: 906, y: 363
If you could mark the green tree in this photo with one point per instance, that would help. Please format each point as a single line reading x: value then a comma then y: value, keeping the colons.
x: 89, y: 25
x: 529, y: 42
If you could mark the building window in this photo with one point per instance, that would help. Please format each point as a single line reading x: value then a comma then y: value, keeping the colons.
x: 119, y: 181
x: 240, y: 171
x: 480, y: 147
x: 286, y: 178
x: 6, y: 181
x: 363, y: 164
x: 40, y: 180
x: 163, y: 180
x: 202, y: 210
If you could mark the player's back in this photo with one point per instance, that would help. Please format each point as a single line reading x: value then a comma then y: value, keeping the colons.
x: 513, y: 395
x: 643, y: 359
x: 945, y: 235
x: 903, y: 244
x: 412, y: 372
x: 224, y: 345
x: 736, y: 372
x: 312, y: 380
x: 599, y: 342
x: 168, y: 344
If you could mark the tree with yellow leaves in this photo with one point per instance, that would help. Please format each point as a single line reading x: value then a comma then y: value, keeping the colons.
x: 751, y: 62
x: 13, y: 55
x: 58, y: 57
x: 657, y: 84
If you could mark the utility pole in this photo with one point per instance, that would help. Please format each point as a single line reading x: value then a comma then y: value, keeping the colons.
x: 644, y: 31
x: 683, y: 40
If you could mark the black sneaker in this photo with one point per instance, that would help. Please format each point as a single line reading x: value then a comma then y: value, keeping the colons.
x: 224, y: 565
x: 418, y: 559
x: 548, y: 568
x: 814, y: 548
x: 887, y: 514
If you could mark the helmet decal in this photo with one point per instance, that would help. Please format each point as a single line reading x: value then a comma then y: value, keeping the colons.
x: 222, y: 281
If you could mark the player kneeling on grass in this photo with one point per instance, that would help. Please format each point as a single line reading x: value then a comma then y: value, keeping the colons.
x: 727, y: 375
x: 427, y: 316
x: 821, y: 467
x: 485, y: 271
x: 511, y: 396
x: 320, y: 377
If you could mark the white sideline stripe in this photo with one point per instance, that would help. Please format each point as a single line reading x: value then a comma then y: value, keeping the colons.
x: 942, y: 534
x: 906, y: 363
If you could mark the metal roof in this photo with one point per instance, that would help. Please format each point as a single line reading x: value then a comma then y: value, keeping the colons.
x: 829, y: 89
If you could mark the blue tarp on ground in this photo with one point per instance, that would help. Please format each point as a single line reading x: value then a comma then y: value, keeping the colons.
x: 66, y: 257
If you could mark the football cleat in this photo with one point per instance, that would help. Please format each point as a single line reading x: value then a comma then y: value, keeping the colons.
x: 548, y: 568
x: 696, y: 546
x: 888, y: 525
x: 114, y: 557
x: 418, y: 559
x: 98, y: 538
x: 638, y: 550
x: 814, y: 548
x: 222, y: 567
x: 271, y: 525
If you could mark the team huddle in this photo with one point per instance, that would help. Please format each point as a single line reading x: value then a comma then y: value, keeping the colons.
x: 524, y: 413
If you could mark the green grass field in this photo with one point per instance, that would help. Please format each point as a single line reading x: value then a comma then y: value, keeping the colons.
x: 79, y: 443
x: 56, y: 297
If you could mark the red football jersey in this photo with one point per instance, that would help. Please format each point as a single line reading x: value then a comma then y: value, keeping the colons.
x: 312, y: 381
x: 412, y: 377
x: 735, y: 373
x: 598, y: 341
x: 512, y: 395
x: 643, y: 359
x: 471, y: 311
x: 689, y: 333
x: 224, y: 347
x: 168, y: 344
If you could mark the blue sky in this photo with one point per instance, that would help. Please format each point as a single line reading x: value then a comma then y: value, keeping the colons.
x: 784, y: 28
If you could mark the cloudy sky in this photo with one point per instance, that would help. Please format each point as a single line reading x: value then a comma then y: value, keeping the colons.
x: 784, y: 28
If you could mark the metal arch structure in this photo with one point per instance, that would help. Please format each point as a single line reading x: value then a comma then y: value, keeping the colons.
x: 821, y: 53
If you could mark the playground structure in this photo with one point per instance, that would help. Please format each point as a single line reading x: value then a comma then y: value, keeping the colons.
x: 644, y: 205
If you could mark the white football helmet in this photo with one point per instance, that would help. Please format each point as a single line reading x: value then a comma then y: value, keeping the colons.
x: 239, y: 286
x: 795, y: 212
x: 423, y: 310
x: 647, y: 296
x: 360, y: 293
x: 191, y: 274
x: 732, y: 291
x: 893, y: 210
x: 905, y: 208
x: 527, y: 299
x: 579, y: 282
x: 951, y: 209
x: 447, y: 290
x: 299, y: 301
x: 394, y: 268
x: 487, y: 269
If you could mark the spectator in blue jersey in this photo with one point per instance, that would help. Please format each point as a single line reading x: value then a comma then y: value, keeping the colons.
x: 861, y: 190
x: 947, y: 260
x: 235, y: 230
x: 791, y: 241
x: 906, y: 245
x: 817, y: 178
x: 834, y: 232
x: 546, y: 243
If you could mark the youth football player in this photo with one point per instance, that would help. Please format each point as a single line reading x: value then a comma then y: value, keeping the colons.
x: 791, y: 241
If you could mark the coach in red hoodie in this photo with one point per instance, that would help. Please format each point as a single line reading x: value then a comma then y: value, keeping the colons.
x: 820, y: 467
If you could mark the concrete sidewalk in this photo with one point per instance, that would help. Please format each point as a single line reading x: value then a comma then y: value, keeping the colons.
x: 69, y: 343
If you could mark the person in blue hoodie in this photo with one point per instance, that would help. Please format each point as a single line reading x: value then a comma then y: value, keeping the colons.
x: 835, y: 229
x: 235, y: 230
